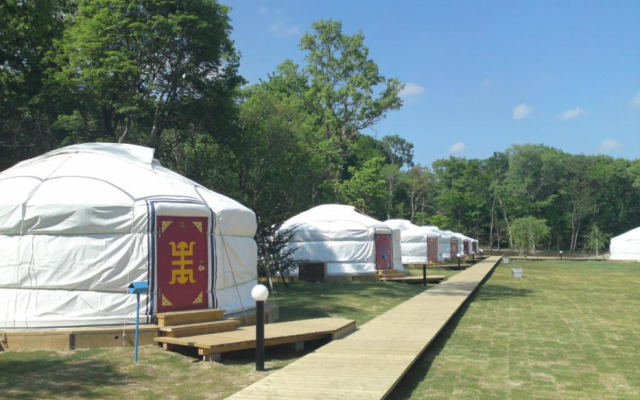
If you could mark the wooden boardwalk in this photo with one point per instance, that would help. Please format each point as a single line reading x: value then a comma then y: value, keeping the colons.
x: 370, y: 362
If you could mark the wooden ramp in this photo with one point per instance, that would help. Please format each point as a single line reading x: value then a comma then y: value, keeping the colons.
x: 369, y: 363
x: 275, y: 334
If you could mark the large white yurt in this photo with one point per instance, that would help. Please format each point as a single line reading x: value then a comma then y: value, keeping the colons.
x: 420, y: 244
x: 626, y: 247
x: 78, y: 224
x: 343, y: 240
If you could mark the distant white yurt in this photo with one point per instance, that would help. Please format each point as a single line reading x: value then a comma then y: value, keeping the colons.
x: 456, y: 245
x: 466, y: 245
x: 78, y: 224
x: 475, y: 246
x: 420, y: 244
x: 626, y: 247
x: 343, y: 241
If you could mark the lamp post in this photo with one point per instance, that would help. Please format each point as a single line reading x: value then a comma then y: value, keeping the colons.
x: 560, y: 255
x: 459, y: 255
x: 424, y: 274
x: 260, y: 293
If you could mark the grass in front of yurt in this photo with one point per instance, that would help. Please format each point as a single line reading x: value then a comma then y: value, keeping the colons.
x: 566, y: 330
x: 111, y: 373
x: 360, y: 301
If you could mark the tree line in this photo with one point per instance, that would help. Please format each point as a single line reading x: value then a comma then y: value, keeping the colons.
x: 164, y: 74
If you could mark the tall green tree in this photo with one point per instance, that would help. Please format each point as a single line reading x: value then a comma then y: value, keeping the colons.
x: 339, y: 84
x: 135, y: 69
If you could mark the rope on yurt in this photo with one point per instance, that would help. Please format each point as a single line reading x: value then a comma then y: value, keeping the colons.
x: 235, y: 283
x: 17, y: 274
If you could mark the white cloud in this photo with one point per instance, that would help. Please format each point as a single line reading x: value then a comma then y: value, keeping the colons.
x: 411, y: 90
x: 262, y: 10
x: 522, y: 111
x: 573, y: 113
x: 457, y: 148
x: 635, y: 101
x: 609, y: 146
x: 486, y: 84
x: 280, y: 29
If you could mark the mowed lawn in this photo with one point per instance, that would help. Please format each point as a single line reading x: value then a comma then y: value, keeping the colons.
x: 567, y: 330
x: 111, y: 374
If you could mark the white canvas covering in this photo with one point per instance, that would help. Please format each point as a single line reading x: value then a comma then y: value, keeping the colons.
x: 77, y: 226
x: 626, y: 247
x: 341, y: 237
x: 414, y: 241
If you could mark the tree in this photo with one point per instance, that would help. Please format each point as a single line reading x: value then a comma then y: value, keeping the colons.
x: 366, y: 190
x: 29, y: 31
x: 596, y: 240
x: 528, y: 233
x: 399, y: 151
x: 339, y: 82
x: 275, y: 252
x: 418, y: 181
x: 134, y: 69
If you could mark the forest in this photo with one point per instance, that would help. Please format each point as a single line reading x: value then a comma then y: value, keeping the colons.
x: 165, y: 74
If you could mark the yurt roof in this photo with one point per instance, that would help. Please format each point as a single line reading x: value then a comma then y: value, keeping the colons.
x: 83, y: 178
x: 401, y: 224
x: 334, y: 217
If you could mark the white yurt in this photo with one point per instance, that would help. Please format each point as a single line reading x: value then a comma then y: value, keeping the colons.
x: 466, y: 244
x: 444, y: 243
x: 475, y: 246
x: 343, y: 240
x: 78, y: 224
x: 626, y: 247
x: 420, y: 244
x: 456, y: 248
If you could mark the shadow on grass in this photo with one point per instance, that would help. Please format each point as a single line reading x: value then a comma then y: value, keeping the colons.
x: 49, y: 377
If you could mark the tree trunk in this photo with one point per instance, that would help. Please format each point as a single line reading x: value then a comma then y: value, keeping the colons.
x: 493, y: 212
x: 504, y: 212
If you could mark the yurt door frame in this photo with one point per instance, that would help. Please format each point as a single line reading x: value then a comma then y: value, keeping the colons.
x: 182, y: 267
x: 465, y: 247
x: 475, y: 247
x: 432, y: 248
x: 384, y: 251
x: 454, y: 248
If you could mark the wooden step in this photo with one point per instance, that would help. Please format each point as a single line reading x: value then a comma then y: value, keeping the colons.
x: 189, y: 317
x: 202, y: 328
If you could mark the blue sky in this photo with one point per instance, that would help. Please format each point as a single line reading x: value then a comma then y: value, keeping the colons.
x: 480, y: 76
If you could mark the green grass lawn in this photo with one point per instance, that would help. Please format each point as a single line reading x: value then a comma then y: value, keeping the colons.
x: 567, y: 330
x: 111, y: 374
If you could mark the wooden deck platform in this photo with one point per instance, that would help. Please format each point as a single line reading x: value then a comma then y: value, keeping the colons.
x: 418, y: 279
x: 275, y: 334
x: 369, y: 363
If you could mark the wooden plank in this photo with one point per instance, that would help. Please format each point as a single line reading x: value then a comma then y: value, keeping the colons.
x: 200, y: 329
x: 78, y: 338
x: 368, y: 363
x: 275, y: 334
x: 189, y: 317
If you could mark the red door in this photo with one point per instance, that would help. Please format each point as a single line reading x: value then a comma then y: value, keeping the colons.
x: 183, y: 263
x: 465, y: 246
x: 454, y: 249
x: 432, y: 249
x: 384, y: 255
